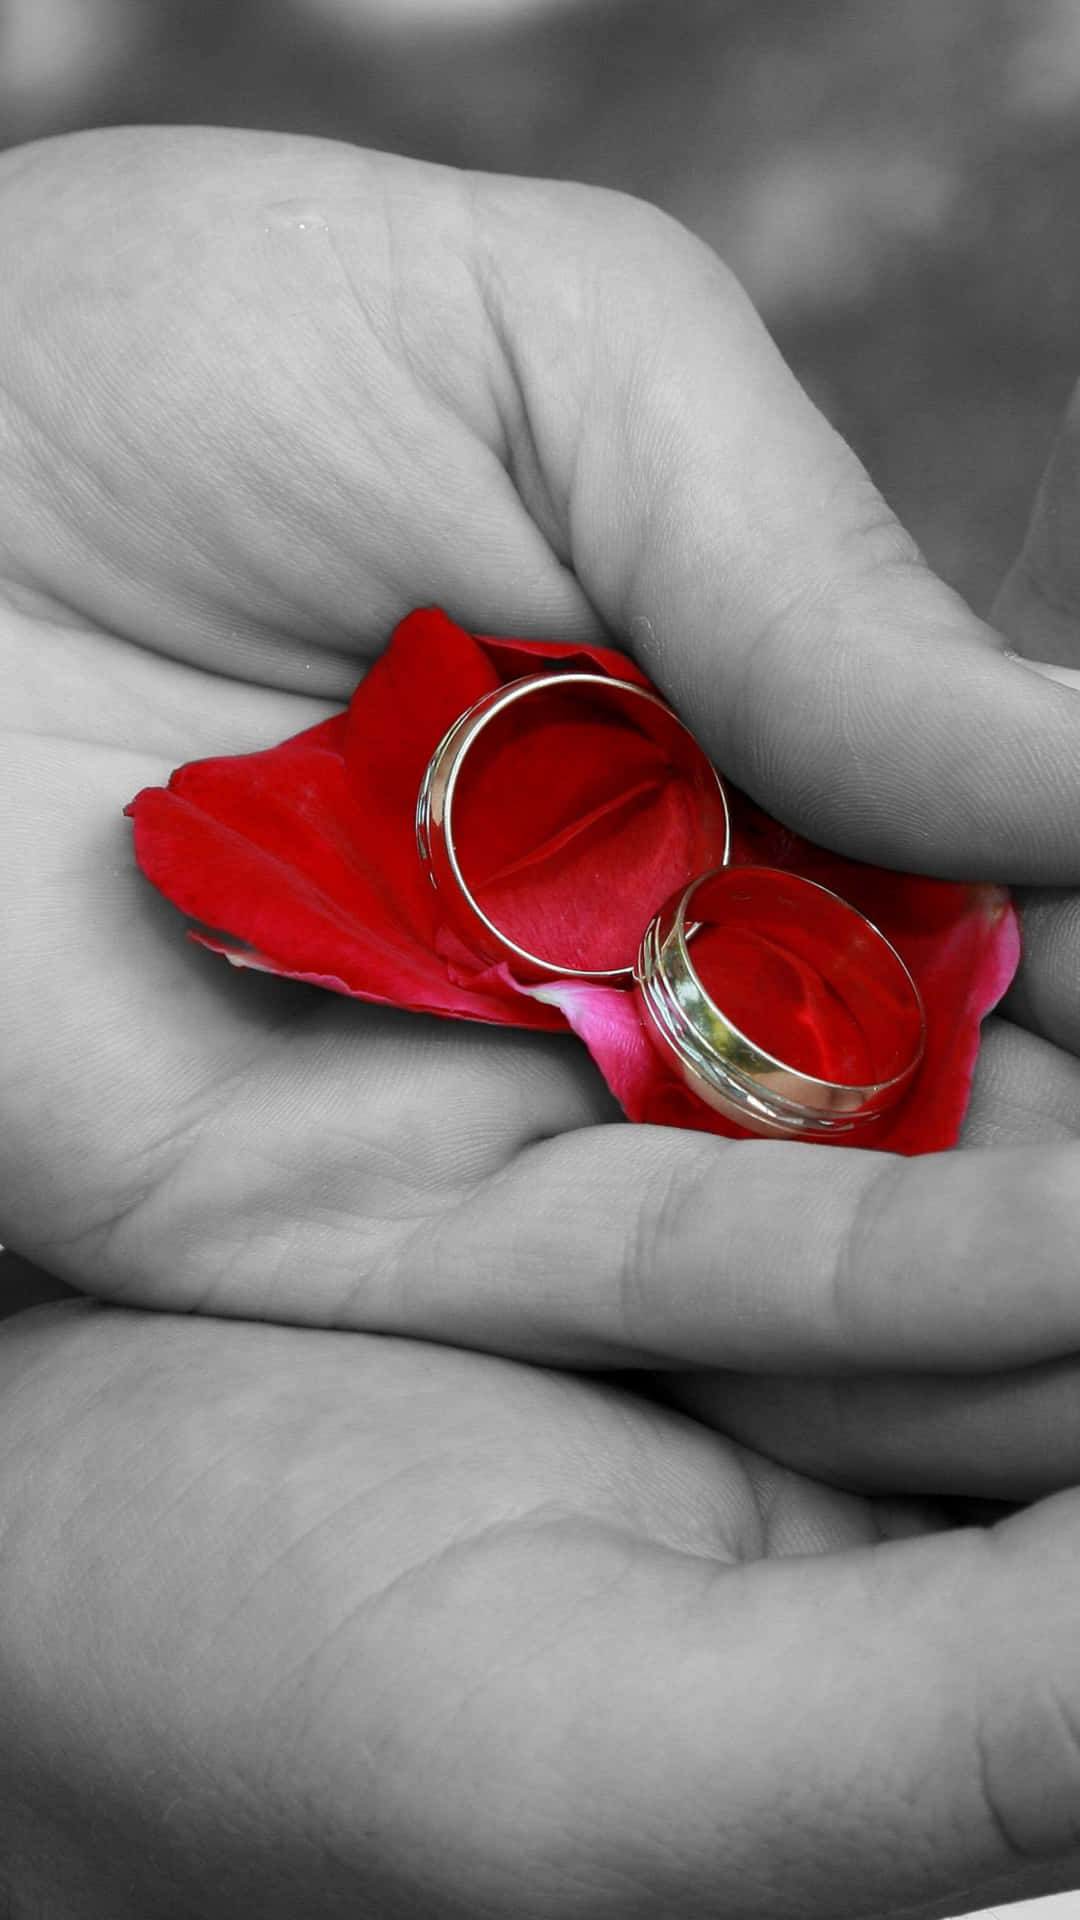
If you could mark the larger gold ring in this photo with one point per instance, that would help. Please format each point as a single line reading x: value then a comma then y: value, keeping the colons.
x: 858, y: 976
x: 435, y: 823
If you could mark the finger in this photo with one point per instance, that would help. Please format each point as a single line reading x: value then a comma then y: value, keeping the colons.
x: 1003, y: 1437
x: 717, y: 521
x: 545, y: 407
x: 281, y: 1153
x: 1038, y: 607
x: 471, y: 1196
x: 1026, y: 1089
x: 643, y: 1245
x: 261, y: 1139
x: 1044, y: 996
x: 288, y: 1582
x: 904, y: 1719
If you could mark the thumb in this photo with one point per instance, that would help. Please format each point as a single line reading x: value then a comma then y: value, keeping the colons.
x: 1038, y: 606
x: 721, y: 526
x: 1038, y: 611
x: 885, y: 1729
x: 283, y: 392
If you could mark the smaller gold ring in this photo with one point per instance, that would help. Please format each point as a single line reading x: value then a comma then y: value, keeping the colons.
x: 439, y: 852
x: 734, y: 1074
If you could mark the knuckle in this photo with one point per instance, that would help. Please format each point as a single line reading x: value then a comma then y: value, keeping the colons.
x: 1029, y: 1778
x: 858, y: 1251
x: 665, y: 1247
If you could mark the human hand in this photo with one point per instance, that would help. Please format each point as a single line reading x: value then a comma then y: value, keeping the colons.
x: 1038, y: 610
x: 303, y: 1622
x: 260, y: 397
x: 891, y: 1430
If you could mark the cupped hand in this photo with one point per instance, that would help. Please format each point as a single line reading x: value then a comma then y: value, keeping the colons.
x: 259, y: 396
x: 888, y: 1430
x: 302, y: 1622
x: 1038, y: 610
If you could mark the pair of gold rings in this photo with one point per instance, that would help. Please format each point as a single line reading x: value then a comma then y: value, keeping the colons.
x: 792, y: 923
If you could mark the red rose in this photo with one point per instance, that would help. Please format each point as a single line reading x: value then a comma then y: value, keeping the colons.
x: 303, y: 861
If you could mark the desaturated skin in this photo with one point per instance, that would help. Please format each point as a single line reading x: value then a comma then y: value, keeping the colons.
x: 866, y: 168
x: 350, y: 1612
x: 359, y: 395
x: 309, y: 1619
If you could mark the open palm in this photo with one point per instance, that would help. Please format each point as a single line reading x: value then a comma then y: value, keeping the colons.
x: 283, y: 394
x: 325, y: 1624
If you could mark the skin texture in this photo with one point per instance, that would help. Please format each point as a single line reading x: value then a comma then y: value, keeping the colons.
x: 349, y: 1622
x: 260, y: 396
x: 309, y: 1621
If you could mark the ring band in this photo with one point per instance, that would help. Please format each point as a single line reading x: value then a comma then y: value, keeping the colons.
x: 860, y: 972
x: 435, y: 836
x: 783, y: 947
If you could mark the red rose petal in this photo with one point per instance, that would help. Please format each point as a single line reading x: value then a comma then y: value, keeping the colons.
x: 804, y: 977
x: 784, y: 1003
x: 429, y: 675
x: 266, y: 847
x: 960, y: 943
x: 572, y: 827
x: 303, y: 862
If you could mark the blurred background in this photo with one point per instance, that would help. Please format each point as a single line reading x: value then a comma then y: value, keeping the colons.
x: 896, y: 181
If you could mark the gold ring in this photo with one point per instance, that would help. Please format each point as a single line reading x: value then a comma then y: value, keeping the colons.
x: 443, y: 858
x: 778, y: 931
